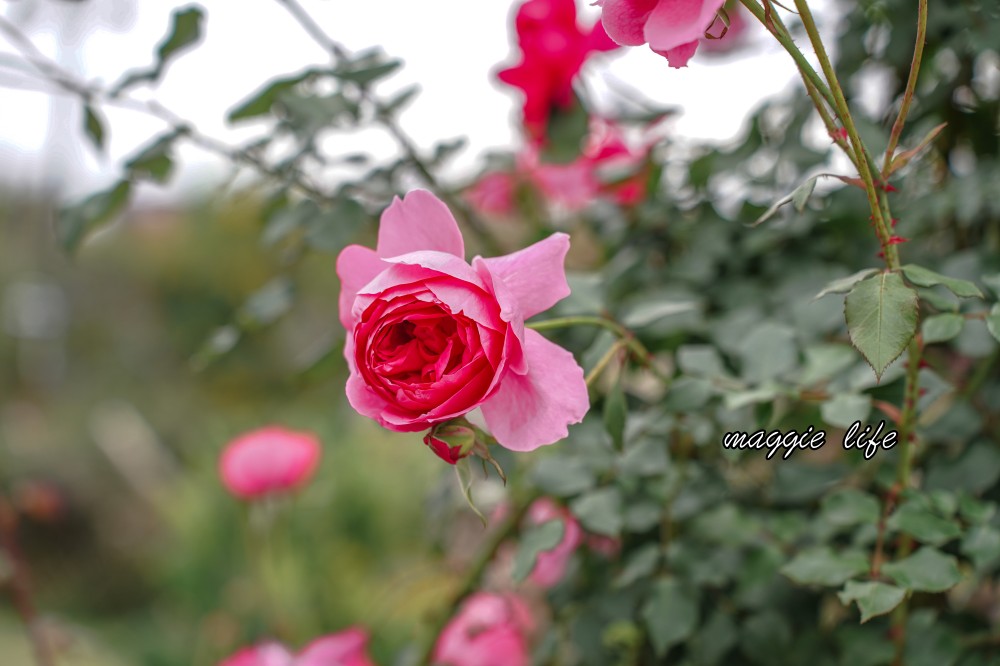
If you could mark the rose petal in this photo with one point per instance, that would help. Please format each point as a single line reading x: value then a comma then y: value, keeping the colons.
x: 624, y: 19
x: 345, y: 648
x: 535, y: 409
x: 356, y: 267
x: 536, y: 275
x: 419, y: 221
x: 265, y: 654
x: 678, y: 57
x: 673, y: 23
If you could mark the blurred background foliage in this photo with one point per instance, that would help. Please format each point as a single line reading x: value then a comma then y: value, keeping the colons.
x: 126, y: 366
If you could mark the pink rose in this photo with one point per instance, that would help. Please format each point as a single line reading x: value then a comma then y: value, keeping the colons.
x: 431, y: 337
x: 554, y: 49
x: 345, y: 648
x: 550, y: 567
x: 268, y: 460
x: 490, y: 630
x: 672, y: 28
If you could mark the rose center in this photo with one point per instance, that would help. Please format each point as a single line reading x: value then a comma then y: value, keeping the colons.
x: 420, y: 349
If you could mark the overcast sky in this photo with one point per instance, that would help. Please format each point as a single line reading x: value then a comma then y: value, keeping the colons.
x: 450, y: 48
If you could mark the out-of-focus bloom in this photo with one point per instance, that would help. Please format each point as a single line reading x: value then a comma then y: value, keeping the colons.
x: 550, y: 567
x: 607, y: 547
x: 672, y: 28
x: 489, y: 630
x: 430, y: 337
x: 607, y: 166
x: 553, y: 48
x: 268, y: 460
x: 345, y: 648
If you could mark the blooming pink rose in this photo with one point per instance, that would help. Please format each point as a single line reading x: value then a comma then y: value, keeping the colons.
x: 554, y: 49
x: 345, y: 648
x: 490, y: 630
x: 431, y: 337
x: 550, y: 567
x: 268, y: 460
x: 672, y: 28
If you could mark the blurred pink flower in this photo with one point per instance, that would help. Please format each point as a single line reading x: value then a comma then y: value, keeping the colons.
x: 493, y: 193
x: 489, y: 630
x: 268, y: 460
x: 553, y: 49
x: 430, y: 337
x: 345, y: 648
x: 550, y: 567
x: 672, y: 28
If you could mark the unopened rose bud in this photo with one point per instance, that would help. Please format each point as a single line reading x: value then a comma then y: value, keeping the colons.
x: 451, y: 441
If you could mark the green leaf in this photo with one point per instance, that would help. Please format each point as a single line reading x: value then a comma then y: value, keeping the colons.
x: 982, y: 545
x: 798, y: 198
x: 650, y: 312
x: 823, y: 566
x: 600, y: 511
x: 923, y: 277
x: 561, y: 477
x: 873, y: 598
x: 844, y: 409
x: 844, y: 285
x: 154, y: 161
x: 942, y: 327
x: 923, y: 524
x: 366, y: 71
x: 77, y: 221
x: 399, y: 100
x: 768, y: 351
x: 881, y: 314
x: 185, y: 30
x: 93, y: 127
x: 640, y: 564
x: 566, y: 131
x: 927, y: 570
x: 993, y: 321
x: 268, y: 304
x: 849, y: 507
x: 670, y: 614
x: 534, y: 541
x: 260, y: 102
x: 700, y: 361
x: 615, y: 413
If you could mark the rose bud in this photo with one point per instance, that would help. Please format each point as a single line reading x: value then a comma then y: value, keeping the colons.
x: 451, y: 441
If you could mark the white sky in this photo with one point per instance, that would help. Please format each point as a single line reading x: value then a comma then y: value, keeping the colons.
x: 450, y: 47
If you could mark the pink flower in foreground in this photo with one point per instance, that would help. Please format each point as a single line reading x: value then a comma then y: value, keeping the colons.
x: 550, y: 567
x: 490, y: 630
x: 268, y: 460
x: 431, y: 337
x: 672, y: 28
x: 345, y: 648
x: 554, y: 49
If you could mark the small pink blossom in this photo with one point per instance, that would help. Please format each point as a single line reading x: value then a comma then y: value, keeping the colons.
x: 345, y: 648
x: 268, y: 460
x: 431, y: 337
x: 672, y: 28
x: 553, y: 48
x: 489, y: 630
x: 550, y: 567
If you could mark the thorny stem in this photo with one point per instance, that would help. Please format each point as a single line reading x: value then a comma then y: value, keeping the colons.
x: 637, y: 349
x: 474, y: 575
x: 338, y: 52
x: 844, y: 112
x: 20, y: 584
x: 911, y: 86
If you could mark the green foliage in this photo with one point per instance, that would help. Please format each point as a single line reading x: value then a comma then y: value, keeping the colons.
x: 881, y: 314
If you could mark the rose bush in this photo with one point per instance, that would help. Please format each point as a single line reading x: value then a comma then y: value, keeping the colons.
x: 431, y: 337
x: 672, y: 28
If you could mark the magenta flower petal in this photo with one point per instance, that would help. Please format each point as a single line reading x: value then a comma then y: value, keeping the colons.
x: 264, y: 654
x: 345, y: 648
x: 268, y: 460
x: 356, y: 267
x: 489, y: 630
x: 673, y: 23
x: 418, y: 221
x: 536, y: 275
x: 678, y: 56
x: 624, y: 19
x: 535, y: 409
